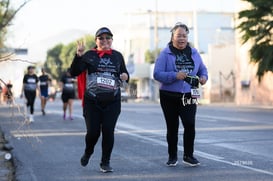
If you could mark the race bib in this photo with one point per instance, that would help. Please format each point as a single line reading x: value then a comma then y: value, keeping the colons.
x: 31, y: 80
x: 105, y: 82
x: 43, y: 83
x: 195, y: 93
x: 68, y: 85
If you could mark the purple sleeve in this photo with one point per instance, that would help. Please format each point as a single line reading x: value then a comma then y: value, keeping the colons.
x: 164, y: 70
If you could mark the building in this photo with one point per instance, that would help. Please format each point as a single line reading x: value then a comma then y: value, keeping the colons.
x: 248, y: 89
x: 13, y: 67
x: 212, y: 33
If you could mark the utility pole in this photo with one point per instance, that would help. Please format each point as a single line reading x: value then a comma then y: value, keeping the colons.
x: 152, y: 82
x: 195, y: 25
x: 156, y: 27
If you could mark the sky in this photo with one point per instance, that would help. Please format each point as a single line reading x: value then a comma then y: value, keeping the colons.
x: 42, y: 19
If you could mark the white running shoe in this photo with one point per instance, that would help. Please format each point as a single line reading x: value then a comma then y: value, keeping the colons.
x: 31, y: 119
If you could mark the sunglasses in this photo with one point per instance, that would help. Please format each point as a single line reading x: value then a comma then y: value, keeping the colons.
x: 105, y: 38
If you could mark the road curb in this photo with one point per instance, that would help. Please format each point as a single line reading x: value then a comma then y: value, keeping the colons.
x: 7, y: 169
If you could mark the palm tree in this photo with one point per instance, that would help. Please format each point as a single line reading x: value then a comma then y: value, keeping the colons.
x: 256, y: 26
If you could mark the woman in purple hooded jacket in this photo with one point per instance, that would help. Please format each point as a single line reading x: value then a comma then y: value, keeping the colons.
x: 179, y: 68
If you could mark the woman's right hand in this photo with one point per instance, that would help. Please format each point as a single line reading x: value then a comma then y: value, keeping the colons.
x: 181, y: 75
x: 80, y: 48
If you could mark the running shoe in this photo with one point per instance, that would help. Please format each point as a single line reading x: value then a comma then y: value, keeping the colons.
x: 31, y: 119
x: 105, y: 167
x: 172, y: 162
x: 85, y: 159
x: 191, y: 161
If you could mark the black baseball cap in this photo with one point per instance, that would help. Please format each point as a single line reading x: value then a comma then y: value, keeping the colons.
x: 103, y: 30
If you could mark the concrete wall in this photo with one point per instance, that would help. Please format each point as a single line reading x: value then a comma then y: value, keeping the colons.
x: 221, y: 66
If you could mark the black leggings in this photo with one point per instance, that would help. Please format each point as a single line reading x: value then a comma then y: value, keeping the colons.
x: 100, y: 118
x: 30, y: 96
x: 173, y: 108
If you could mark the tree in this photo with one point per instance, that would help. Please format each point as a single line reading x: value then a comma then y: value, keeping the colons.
x: 59, y: 58
x: 256, y: 26
x: 7, y: 14
x: 53, y: 64
x: 68, y: 51
x: 67, y: 55
x: 150, y: 56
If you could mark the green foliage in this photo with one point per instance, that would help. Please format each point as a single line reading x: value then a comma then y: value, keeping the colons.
x: 89, y: 42
x: 67, y: 54
x: 53, y: 64
x: 60, y: 57
x: 257, y: 27
x: 7, y: 14
x: 150, y: 56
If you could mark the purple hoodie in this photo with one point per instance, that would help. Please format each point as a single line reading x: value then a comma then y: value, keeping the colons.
x: 165, y: 71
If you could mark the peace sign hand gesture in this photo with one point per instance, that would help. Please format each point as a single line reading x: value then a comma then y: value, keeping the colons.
x: 80, y: 48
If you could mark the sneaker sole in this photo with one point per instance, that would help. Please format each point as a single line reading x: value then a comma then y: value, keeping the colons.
x: 173, y: 164
x: 106, y: 171
x: 190, y: 164
x: 29, y: 121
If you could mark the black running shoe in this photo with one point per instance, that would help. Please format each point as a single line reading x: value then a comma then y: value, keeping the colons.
x: 105, y: 167
x: 172, y: 162
x: 85, y: 159
x: 191, y: 161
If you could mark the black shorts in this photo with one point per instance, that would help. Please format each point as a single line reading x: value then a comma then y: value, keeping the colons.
x: 67, y: 95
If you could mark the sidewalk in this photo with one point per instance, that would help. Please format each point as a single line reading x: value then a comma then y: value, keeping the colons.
x: 7, y: 169
x: 6, y: 166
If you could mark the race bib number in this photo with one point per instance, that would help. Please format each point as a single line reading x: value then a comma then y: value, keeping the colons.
x: 31, y: 80
x: 105, y: 82
x: 68, y: 85
x: 195, y: 93
x: 43, y: 83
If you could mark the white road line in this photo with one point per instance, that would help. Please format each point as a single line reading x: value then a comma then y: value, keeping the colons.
x: 222, y: 118
x: 199, y: 153
x: 133, y: 132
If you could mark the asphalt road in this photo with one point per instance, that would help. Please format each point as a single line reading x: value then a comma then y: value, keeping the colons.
x: 232, y: 143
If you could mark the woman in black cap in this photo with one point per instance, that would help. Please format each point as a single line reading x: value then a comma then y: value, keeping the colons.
x: 105, y: 70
